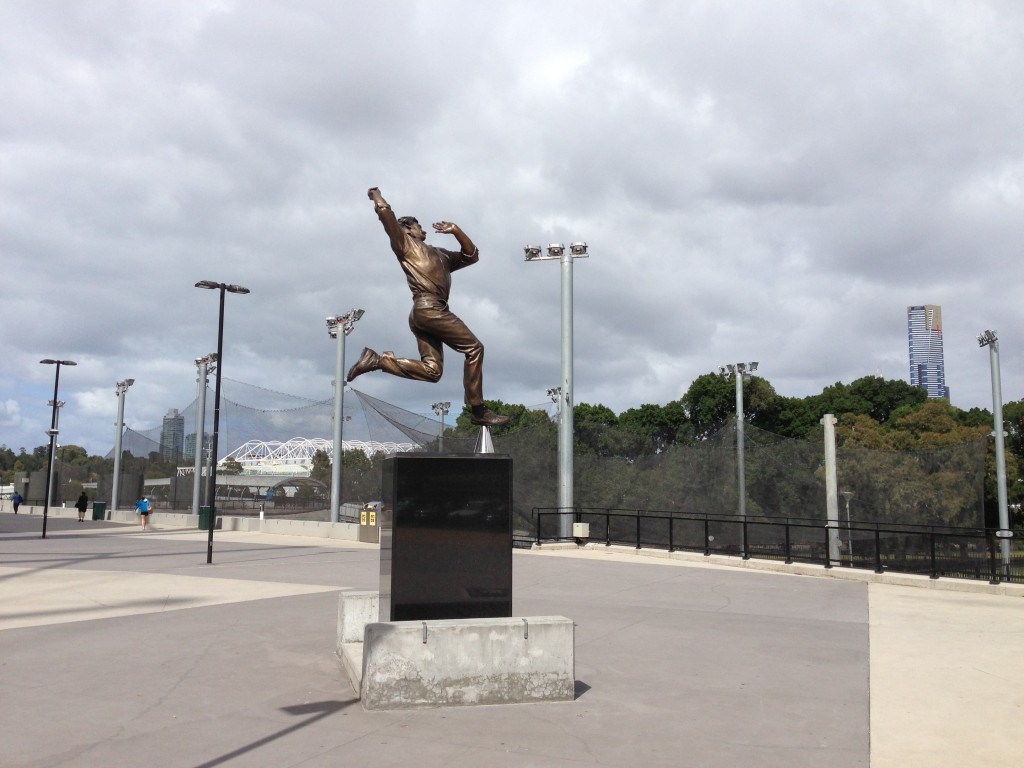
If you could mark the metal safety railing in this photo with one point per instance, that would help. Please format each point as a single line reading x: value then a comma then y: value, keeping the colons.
x: 936, y: 551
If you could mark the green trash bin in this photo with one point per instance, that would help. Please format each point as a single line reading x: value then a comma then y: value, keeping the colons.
x: 204, y: 518
x: 99, y: 510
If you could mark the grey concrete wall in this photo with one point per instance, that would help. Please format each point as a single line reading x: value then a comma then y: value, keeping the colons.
x: 463, y: 662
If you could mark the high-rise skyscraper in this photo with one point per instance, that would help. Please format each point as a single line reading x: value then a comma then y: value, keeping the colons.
x: 924, y: 335
x: 172, y: 436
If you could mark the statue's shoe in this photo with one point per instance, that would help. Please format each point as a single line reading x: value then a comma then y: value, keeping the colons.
x: 368, y: 361
x: 487, y: 418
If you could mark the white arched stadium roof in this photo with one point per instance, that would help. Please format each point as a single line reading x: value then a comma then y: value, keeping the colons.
x: 257, y: 455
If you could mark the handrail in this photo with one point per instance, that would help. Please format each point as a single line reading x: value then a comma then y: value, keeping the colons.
x: 932, y: 549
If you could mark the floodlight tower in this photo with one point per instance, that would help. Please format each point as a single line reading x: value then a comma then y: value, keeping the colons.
x: 120, y: 389
x: 991, y: 340
x: 345, y: 323
x: 441, y: 409
x: 205, y: 365
x: 739, y: 372
x: 558, y: 252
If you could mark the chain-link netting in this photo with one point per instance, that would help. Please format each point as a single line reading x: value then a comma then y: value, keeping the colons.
x: 784, y: 478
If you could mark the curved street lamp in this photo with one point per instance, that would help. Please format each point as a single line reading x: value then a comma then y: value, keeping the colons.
x: 211, y: 491
x: 52, y: 432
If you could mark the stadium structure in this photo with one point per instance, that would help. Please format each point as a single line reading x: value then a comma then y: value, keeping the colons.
x: 295, y: 456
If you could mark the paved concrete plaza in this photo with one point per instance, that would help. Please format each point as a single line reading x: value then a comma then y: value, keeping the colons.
x: 123, y: 648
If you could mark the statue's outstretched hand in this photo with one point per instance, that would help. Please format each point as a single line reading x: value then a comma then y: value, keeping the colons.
x: 444, y: 227
x: 373, y: 193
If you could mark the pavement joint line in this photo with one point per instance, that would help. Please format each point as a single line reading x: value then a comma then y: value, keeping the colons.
x: 31, y: 597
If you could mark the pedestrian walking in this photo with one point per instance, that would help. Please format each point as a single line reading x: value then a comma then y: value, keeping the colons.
x: 81, y: 505
x: 16, y: 500
x: 142, y: 508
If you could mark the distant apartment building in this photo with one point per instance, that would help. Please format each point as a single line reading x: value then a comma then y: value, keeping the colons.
x: 172, y: 436
x: 924, y: 336
x: 190, y: 446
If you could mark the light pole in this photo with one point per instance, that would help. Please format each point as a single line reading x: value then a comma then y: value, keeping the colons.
x: 204, y: 365
x: 212, y: 492
x: 849, y: 523
x: 558, y: 252
x: 739, y: 372
x: 441, y: 409
x: 120, y: 389
x: 56, y: 427
x: 346, y: 322
x: 52, y: 432
x: 991, y: 340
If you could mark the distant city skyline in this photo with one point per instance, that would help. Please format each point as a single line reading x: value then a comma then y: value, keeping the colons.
x: 924, y: 338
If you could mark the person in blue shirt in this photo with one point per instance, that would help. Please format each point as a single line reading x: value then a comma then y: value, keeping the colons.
x: 142, y: 508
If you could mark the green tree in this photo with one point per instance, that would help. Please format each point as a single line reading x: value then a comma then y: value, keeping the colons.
x: 710, y: 403
x: 661, y: 426
x: 321, y: 468
x: 230, y: 467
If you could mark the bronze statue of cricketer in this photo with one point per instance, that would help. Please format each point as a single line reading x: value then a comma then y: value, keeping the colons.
x: 429, y: 272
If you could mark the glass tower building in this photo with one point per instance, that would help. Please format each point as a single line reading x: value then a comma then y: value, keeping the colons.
x: 924, y: 335
x: 172, y: 436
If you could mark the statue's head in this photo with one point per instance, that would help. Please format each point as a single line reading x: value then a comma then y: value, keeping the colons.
x: 412, y: 226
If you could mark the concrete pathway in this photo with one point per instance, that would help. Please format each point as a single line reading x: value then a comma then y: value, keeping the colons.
x: 124, y: 648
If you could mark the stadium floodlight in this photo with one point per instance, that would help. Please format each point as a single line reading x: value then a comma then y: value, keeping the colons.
x: 345, y: 323
x: 52, y: 432
x: 739, y: 372
x: 120, y: 389
x: 441, y: 409
x: 990, y: 339
x: 211, y: 489
x: 558, y: 252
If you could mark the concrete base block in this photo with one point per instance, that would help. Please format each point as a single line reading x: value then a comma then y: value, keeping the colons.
x: 453, y: 662
x: 464, y: 662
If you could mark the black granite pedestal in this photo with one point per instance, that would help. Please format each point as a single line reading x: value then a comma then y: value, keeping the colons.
x: 446, y: 537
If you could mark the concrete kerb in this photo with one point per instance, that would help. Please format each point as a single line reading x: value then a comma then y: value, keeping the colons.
x: 619, y: 552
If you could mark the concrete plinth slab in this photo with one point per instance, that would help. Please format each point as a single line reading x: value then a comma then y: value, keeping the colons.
x: 464, y: 662
x: 453, y: 662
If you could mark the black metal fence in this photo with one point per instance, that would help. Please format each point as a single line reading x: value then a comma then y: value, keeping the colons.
x: 966, y: 553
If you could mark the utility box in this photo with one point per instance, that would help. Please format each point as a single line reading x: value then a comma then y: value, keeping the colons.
x: 205, y: 518
x: 581, y: 530
x: 99, y: 510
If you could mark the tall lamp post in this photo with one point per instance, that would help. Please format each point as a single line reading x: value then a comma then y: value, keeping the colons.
x: 56, y: 457
x: 212, y: 488
x: 205, y: 366
x: 52, y: 432
x: 739, y: 372
x: 120, y: 389
x: 558, y: 252
x: 991, y: 340
x: 441, y: 409
x: 345, y: 323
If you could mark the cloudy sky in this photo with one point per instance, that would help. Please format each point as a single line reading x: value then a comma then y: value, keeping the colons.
x: 756, y: 181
